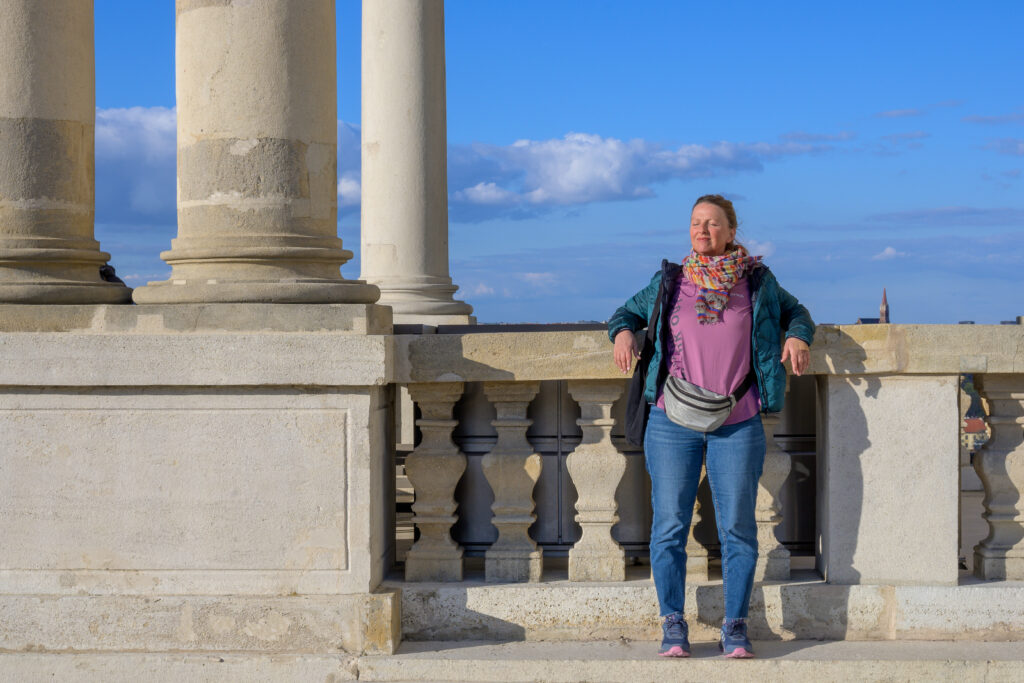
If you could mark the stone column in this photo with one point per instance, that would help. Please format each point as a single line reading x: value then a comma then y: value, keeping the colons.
x: 772, y: 556
x: 257, y: 157
x: 404, y: 170
x: 434, y: 469
x: 512, y: 469
x: 1000, y: 465
x: 596, y: 467
x: 48, y: 254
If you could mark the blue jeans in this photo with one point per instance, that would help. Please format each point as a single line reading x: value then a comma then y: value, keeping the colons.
x: 735, y: 458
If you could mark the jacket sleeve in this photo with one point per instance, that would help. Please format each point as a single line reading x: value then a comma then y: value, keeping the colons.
x: 636, y: 312
x: 796, y: 319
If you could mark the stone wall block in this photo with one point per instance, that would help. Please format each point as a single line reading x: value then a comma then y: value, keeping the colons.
x: 772, y: 557
x: 596, y: 467
x: 512, y: 468
x: 1000, y: 466
x: 434, y: 469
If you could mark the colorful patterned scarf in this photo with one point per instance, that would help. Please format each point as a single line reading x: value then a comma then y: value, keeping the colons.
x: 715, y: 275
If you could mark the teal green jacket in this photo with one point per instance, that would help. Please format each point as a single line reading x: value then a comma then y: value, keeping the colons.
x: 776, y: 311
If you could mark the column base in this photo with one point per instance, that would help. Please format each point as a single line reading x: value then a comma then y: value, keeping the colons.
x: 257, y: 291
x: 64, y: 293
x: 998, y: 567
x: 421, y: 567
x: 513, y: 566
x: 697, y: 568
x: 603, y: 566
x: 425, y: 303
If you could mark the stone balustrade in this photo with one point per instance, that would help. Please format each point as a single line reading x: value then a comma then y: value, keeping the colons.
x: 887, y: 414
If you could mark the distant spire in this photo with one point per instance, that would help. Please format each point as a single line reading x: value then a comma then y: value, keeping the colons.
x: 883, y: 310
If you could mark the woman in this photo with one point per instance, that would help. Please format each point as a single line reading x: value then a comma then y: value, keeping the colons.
x: 722, y: 315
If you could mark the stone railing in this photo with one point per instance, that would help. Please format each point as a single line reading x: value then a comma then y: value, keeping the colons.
x: 887, y: 453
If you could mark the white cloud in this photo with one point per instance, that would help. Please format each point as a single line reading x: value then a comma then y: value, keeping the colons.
x: 484, y: 193
x: 757, y: 248
x: 539, y: 279
x: 349, y: 190
x: 888, y: 253
x: 481, y: 290
x: 149, y: 133
x: 530, y: 176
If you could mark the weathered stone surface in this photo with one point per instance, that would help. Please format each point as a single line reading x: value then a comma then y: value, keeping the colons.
x: 174, y: 668
x: 596, y: 467
x: 257, y: 158
x: 434, y: 468
x: 512, y: 468
x: 47, y: 158
x: 849, y: 349
x: 197, y: 318
x: 772, y: 556
x: 803, y: 608
x: 319, y: 624
x: 404, y: 200
x: 1000, y: 465
x: 888, y: 479
x: 628, y: 662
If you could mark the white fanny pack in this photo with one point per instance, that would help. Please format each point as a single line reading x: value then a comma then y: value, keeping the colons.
x: 700, y: 409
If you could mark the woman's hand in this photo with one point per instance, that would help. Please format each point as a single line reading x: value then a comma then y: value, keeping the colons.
x: 625, y: 350
x: 795, y: 350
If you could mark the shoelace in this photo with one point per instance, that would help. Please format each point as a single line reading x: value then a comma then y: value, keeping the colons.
x: 675, y: 627
x: 736, y: 629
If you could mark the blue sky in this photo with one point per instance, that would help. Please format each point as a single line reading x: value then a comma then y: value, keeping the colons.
x: 868, y: 145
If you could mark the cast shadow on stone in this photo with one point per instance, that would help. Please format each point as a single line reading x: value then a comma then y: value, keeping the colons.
x: 841, y: 499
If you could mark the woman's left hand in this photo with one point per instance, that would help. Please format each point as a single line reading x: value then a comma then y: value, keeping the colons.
x: 798, y: 354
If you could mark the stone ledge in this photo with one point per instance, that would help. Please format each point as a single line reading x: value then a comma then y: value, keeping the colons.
x: 321, y: 624
x: 193, y: 318
x: 587, y: 354
x: 201, y: 359
x: 131, y: 667
x: 798, y: 609
x: 794, y: 661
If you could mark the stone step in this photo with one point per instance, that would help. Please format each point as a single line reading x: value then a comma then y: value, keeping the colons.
x: 562, y: 662
x: 632, y: 662
x: 803, y: 608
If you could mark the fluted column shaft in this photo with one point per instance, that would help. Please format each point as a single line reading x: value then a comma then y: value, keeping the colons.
x: 596, y: 467
x: 257, y: 157
x: 1000, y: 465
x: 404, y: 161
x: 48, y: 253
x: 434, y: 469
x: 512, y: 469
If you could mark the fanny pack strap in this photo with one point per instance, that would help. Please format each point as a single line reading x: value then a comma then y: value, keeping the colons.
x: 744, y: 385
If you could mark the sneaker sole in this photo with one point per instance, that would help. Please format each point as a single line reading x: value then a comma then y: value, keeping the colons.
x: 674, y: 651
x: 739, y: 653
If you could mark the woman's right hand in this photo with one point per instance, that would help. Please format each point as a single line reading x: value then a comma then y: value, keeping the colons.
x: 625, y: 350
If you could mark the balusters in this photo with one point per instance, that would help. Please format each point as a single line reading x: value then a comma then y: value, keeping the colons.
x: 772, y: 556
x: 1000, y: 466
x: 434, y: 468
x: 512, y: 469
x: 596, y: 467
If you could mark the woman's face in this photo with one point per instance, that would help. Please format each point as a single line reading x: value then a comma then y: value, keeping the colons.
x: 709, y: 230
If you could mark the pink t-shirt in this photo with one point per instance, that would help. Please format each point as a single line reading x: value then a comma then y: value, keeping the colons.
x: 716, y: 357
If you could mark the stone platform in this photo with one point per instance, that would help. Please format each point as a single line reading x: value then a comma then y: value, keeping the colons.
x: 632, y: 661
x: 805, y: 607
